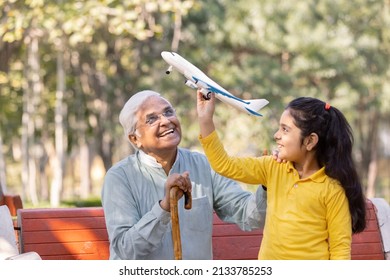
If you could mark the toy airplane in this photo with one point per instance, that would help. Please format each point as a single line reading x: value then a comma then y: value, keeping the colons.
x: 195, y: 79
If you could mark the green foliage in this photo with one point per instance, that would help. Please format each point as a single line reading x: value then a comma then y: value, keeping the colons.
x: 90, y: 202
x: 337, y: 51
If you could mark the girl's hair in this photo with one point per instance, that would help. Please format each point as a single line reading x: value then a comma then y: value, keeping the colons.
x: 333, y: 150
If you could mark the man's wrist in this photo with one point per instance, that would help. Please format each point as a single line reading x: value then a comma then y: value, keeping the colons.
x: 164, y: 205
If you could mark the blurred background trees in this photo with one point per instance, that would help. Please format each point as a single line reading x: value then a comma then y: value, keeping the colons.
x: 67, y: 68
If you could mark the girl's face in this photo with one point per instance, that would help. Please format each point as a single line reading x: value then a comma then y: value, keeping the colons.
x: 289, y: 139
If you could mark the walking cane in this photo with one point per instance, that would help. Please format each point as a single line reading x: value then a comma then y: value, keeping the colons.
x: 174, y: 192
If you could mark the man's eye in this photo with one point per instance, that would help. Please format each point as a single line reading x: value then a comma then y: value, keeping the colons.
x: 151, y: 119
x: 169, y: 113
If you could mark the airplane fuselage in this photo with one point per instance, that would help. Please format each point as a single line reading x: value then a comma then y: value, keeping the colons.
x: 197, y: 79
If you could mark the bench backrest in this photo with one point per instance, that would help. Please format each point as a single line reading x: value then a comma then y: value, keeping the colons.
x: 231, y: 243
x: 64, y: 233
x: 368, y: 244
x: 80, y: 234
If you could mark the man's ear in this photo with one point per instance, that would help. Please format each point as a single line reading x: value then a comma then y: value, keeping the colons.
x: 133, y: 139
x: 311, y: 141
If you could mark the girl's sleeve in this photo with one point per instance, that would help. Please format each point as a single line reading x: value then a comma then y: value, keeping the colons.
x: 244, y: 169
x: 339, y: 225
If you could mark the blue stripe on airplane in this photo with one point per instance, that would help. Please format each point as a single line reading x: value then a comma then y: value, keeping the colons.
x: 253, y: 112
x: 213, y: 89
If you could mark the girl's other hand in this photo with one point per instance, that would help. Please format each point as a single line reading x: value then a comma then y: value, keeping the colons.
x: 275, y: 155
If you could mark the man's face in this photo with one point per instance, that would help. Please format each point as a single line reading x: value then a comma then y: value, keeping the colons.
x: 158, y: 129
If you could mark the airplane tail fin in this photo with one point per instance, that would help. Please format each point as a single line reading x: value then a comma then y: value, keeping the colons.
x: 254, y: 105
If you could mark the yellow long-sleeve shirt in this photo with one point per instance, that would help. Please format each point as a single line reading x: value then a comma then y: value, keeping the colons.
x: 306, y: 218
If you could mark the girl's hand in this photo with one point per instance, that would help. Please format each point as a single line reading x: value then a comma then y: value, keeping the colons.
x: 275, y: 155
x: 205, y: 109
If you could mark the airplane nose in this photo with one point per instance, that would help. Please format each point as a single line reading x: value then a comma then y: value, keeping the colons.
x: 166, y: 55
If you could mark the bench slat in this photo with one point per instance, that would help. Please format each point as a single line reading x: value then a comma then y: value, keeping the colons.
x: 63, y: 223
x: 65, y: 250
x: 49, y: 236
x: 62, y: 212
x: 233, y: 248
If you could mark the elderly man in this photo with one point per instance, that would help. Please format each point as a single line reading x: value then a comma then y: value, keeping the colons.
x: 135, y: 193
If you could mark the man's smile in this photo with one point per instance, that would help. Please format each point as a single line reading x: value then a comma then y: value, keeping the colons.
x: 167, y: 132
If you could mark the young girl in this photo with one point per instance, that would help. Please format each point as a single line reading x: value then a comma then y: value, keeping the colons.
x: 315, y: 199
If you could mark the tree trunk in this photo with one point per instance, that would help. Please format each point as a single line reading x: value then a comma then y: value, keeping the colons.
x: 177, y: 30
x: 59, y: 159
x: 31, y: 98
x: 3, y: 180
x: 85, y: 170
x: 372, y: 171
x: 26, y: 117
x: 82, y: 92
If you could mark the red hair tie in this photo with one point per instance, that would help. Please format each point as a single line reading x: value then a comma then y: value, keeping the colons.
x: 327, y: 106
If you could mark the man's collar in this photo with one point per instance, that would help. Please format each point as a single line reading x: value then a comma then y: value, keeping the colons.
x: 151, y: 161
x: 148, y: 160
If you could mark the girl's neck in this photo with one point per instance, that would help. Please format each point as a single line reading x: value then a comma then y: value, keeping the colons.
x: 307, y: 168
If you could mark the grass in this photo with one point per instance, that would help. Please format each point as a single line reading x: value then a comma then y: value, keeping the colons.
x: 90, y: 202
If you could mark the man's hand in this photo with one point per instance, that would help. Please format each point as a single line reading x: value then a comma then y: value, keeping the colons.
x: 182, y: 181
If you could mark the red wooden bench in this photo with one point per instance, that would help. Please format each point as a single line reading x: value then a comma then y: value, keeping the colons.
x: 64, y: 233
x: 80, y: 234
x: 14, y: 202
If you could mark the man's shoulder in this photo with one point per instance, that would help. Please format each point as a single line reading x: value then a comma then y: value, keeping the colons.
x: 123, y: 163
